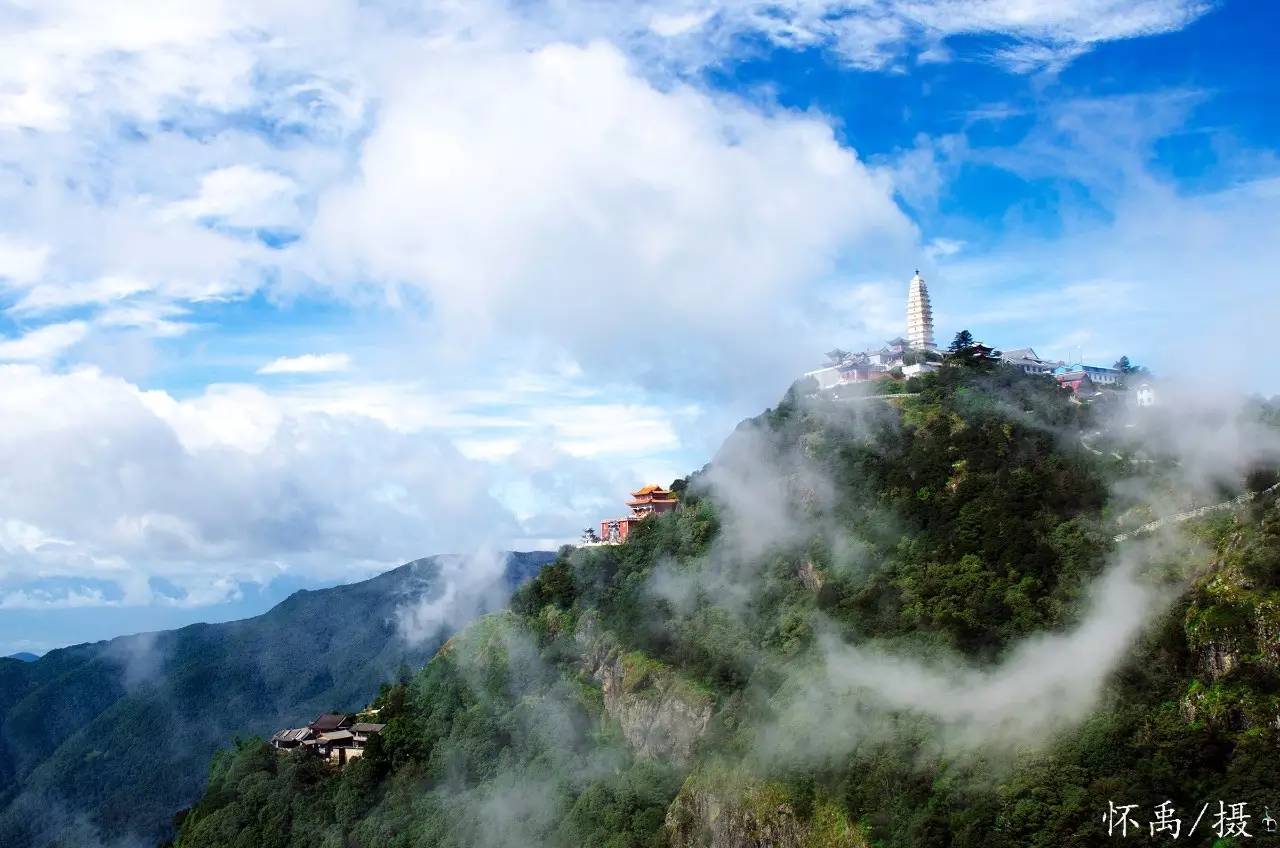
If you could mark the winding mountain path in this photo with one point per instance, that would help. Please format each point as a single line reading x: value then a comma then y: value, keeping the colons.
x: 1179, y: 517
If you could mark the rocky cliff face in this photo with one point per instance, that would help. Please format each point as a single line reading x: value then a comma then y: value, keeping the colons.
x: 705, y: 818
x: 721, y: 810
x: 661, y: 714
x: 810, y: 577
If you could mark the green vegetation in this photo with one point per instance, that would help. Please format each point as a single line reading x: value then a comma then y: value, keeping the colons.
x: 488, y: 745
x: 107, y: 741
x: 951, y: 524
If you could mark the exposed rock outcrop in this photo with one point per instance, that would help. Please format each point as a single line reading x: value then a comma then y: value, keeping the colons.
x: 1219, y: 660
x: 1266, y: 629
x: 810, y: 577
x: 718, y: 810
x: 662, y: 715
x: 700, y: 818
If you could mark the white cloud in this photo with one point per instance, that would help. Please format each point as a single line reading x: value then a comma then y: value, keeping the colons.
x: 1164, y: 274
x: 69, y: 59
x: 109, y: 482
x: 489, y: 450
x: 942, y: 247
x: 876, y: 33
x: 308, y: 363
x: 154, y: 319
x: 512, y: 174
x: 593, y: 199
x: 863, y: 315
x: 560, y: 197
x: 1182, y: 278
x: 596, y: 429
x: 41, y: 600
x: 239, y: 417
x: 55, y: 50
x: 21, y: 262
x: 43, y: 343
x: 1044, y: 685
x: 19, y: 537
x: 51, y: 297
x: 467, y: 587
x: 137, y: 484
x: 242, y: 196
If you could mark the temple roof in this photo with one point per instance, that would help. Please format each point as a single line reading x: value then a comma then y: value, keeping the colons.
x: 650, y: 490
x: 329, y: 721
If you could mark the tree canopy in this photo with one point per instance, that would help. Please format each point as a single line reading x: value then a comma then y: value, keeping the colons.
x: 962, y: 342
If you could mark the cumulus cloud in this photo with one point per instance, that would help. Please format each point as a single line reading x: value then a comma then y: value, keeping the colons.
x: 242, y: 196
x: 114, y: 493
x: 55, y: 52
x: 558, y: 194
x: 519, y: 177
x: 685, y: 211
x: 106, y: 481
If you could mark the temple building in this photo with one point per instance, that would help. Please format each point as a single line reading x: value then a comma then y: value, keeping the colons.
x: 335, y: 737
x: 1073, y: 372
x: 647, y: 501
x: 919, y: 315
x: 1028, y: 361
x: 900, y: 357
x: 918, y: 353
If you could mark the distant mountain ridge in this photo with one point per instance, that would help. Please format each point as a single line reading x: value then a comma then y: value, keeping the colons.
x: 23, y: 656
x: 103, y: 742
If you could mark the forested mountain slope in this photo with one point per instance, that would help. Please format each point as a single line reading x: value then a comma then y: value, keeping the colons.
x: 894, y: 622
x: 104, y: 742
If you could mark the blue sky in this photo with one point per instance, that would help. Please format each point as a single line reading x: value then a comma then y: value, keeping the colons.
x: 292, y: 294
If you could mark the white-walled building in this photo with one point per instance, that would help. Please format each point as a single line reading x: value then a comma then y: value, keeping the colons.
x: 919, y: 315
x: 918, y: 353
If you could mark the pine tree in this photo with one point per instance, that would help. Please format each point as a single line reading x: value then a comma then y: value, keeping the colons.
x: 962, y: 342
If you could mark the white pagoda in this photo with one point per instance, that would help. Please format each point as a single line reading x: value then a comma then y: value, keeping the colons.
x: 919, y: 315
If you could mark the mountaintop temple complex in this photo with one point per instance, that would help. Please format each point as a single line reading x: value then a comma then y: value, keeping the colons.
x: 918, y: 352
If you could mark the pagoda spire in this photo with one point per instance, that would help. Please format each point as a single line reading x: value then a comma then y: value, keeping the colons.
x: 919, y: 315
